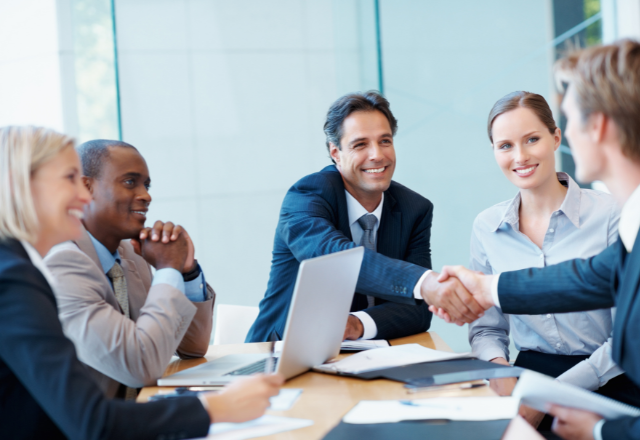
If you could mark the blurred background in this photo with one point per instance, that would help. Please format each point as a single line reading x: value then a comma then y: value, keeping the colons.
x: 226, y: 100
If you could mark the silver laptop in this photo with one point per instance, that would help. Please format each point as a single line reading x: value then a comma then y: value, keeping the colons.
x: 315, y: 326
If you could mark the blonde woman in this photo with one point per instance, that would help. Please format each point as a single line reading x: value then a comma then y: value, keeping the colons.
x: 550, y: 220
x: 45, y: 392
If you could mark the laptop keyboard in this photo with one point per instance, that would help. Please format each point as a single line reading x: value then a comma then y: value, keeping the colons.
x: 256, y: 367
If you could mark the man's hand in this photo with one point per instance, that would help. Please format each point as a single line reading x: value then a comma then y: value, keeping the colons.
x: 165, y: 255
x: 166, y: 233
x: 573, y: 424
x: 476, y: 284
x: 452, y: 297
x: 243, y: 400
x: 354, y: 329
x: 533, y: 416
x: 504, y: 386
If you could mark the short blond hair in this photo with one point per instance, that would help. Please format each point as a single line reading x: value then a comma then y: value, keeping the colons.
x: 23, y: 150
x: 607, y: 80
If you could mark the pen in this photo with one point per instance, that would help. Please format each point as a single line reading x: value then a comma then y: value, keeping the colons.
x: 464, y: 386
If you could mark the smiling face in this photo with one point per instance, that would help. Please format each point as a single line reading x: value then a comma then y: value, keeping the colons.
x: 120, y: 197
x: 59, y: 197
x: 524, y: 148
x: 367, y: 158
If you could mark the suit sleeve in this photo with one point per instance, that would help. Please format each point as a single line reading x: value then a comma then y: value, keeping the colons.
x: 307, y: 230
x: 134, y: 353
x: 573, y: 286
x: 35, y: 349
x: 625, y: 428
x: 395, y: 320
x: 195, y: 342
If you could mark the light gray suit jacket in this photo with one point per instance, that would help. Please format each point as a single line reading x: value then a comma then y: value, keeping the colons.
x: 134, y: 352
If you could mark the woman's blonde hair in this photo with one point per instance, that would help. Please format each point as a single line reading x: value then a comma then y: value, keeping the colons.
x: 23, y: 150
x: 607, y: 80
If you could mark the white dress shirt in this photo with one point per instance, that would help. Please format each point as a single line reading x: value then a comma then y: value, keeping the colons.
x: 355, y: 211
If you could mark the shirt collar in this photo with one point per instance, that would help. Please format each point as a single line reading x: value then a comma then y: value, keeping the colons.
x: 570, y: 206
x: 38, y: 262
x: 630, y: 220
x: 107, y: 259
x: 356, y: 210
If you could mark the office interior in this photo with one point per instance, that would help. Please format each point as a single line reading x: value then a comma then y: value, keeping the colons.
x: 226, y: 100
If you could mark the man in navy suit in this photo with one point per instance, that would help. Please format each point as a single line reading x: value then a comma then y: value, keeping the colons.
x: 352, y: 203
x: 602, y: 106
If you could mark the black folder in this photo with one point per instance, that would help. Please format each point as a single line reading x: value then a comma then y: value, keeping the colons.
x: 421, y: 429
x: 443, y: 372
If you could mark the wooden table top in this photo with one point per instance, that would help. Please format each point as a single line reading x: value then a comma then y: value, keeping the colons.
x: 326, y: 398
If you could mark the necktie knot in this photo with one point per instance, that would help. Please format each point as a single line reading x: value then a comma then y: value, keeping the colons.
x: 115, y: 271
x: 367, y: 222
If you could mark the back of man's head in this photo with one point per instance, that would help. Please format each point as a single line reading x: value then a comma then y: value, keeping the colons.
x: 353, y: 102
x: 94, y: 155
x: 606, y: 80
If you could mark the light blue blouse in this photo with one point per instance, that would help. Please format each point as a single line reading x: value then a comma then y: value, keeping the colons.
x: 585, y: 224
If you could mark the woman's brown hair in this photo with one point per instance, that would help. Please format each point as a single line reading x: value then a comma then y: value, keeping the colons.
x: 514, y: 100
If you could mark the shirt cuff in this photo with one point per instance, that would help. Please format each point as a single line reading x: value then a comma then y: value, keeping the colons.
x: 370, y: 329
x: 416, y: 289
x: 581, y: 375
x: 195, y: 289
x: 169, y: 276
x: 494, y: 291
x: 597, y: 430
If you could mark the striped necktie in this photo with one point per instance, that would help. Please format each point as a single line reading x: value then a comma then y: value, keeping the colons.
x: 367, y: 223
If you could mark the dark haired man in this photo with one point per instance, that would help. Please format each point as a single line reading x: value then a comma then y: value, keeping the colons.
x: 125, y: 322
x: 351, y: 203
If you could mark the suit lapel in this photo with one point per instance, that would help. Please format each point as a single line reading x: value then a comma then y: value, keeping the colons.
x: 388, y: 240
x: 342, y: 212
x: 628, y: 279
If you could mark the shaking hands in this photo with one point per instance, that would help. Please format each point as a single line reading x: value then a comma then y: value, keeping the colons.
x: 457, y: 295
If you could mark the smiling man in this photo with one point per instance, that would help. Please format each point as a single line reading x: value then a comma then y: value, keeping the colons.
x: 125, y: 322
x: 355, y: 203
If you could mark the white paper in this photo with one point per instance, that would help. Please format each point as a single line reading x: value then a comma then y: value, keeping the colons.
x: 538, y: 391
x: 285, y: 399
x: 388, y: 357
x: 360, y: 344
x: 450, y: 408
x: 364, y: 344
x: 265, y: 425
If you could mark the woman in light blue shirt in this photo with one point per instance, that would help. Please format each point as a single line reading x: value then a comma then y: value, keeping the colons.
x: 550, y: 220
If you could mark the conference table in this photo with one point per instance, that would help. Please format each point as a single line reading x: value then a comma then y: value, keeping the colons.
x: 326, y: 398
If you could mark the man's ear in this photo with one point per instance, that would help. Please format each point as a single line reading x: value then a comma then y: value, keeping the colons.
x: 334, y: 152
x: 88, y: 183
x: 597, y: 125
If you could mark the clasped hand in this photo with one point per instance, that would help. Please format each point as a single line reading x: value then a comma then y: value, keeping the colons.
x: 166, y: 245
x: 457, y: 295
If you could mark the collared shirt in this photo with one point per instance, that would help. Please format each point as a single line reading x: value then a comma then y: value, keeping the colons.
x: 630, y: 220
x: 585, y: 225
x: 38, y: 262
x: 194, y: 290
x: 355, y: 211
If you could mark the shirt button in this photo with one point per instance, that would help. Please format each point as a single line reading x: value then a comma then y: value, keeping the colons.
x: 549, y: 315
x: 201, y: 285
x: 558, y: 345
x: 551, y: 230
x: 541, y: 255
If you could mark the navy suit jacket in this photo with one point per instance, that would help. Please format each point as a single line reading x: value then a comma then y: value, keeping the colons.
x: 608, y: 279
x: 46, y: 392
x: 314, y: 221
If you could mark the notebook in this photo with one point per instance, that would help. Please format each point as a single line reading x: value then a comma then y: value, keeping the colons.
x: 538, y: 391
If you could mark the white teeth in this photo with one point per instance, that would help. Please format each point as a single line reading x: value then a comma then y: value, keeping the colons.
x: 375, y: 170
x: 76, y: 213
x: 526, y: 170
x: 139, y: 212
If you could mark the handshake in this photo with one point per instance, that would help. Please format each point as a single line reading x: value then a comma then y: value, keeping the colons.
x: 458, y: 295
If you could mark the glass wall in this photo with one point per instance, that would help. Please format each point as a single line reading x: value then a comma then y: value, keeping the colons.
x: 226, y: 101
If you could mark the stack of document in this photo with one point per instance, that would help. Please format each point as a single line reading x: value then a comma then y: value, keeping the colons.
x: 449, y: 408
x: 380, y: 358
x: 538, y: 391
x: 358, y: 345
